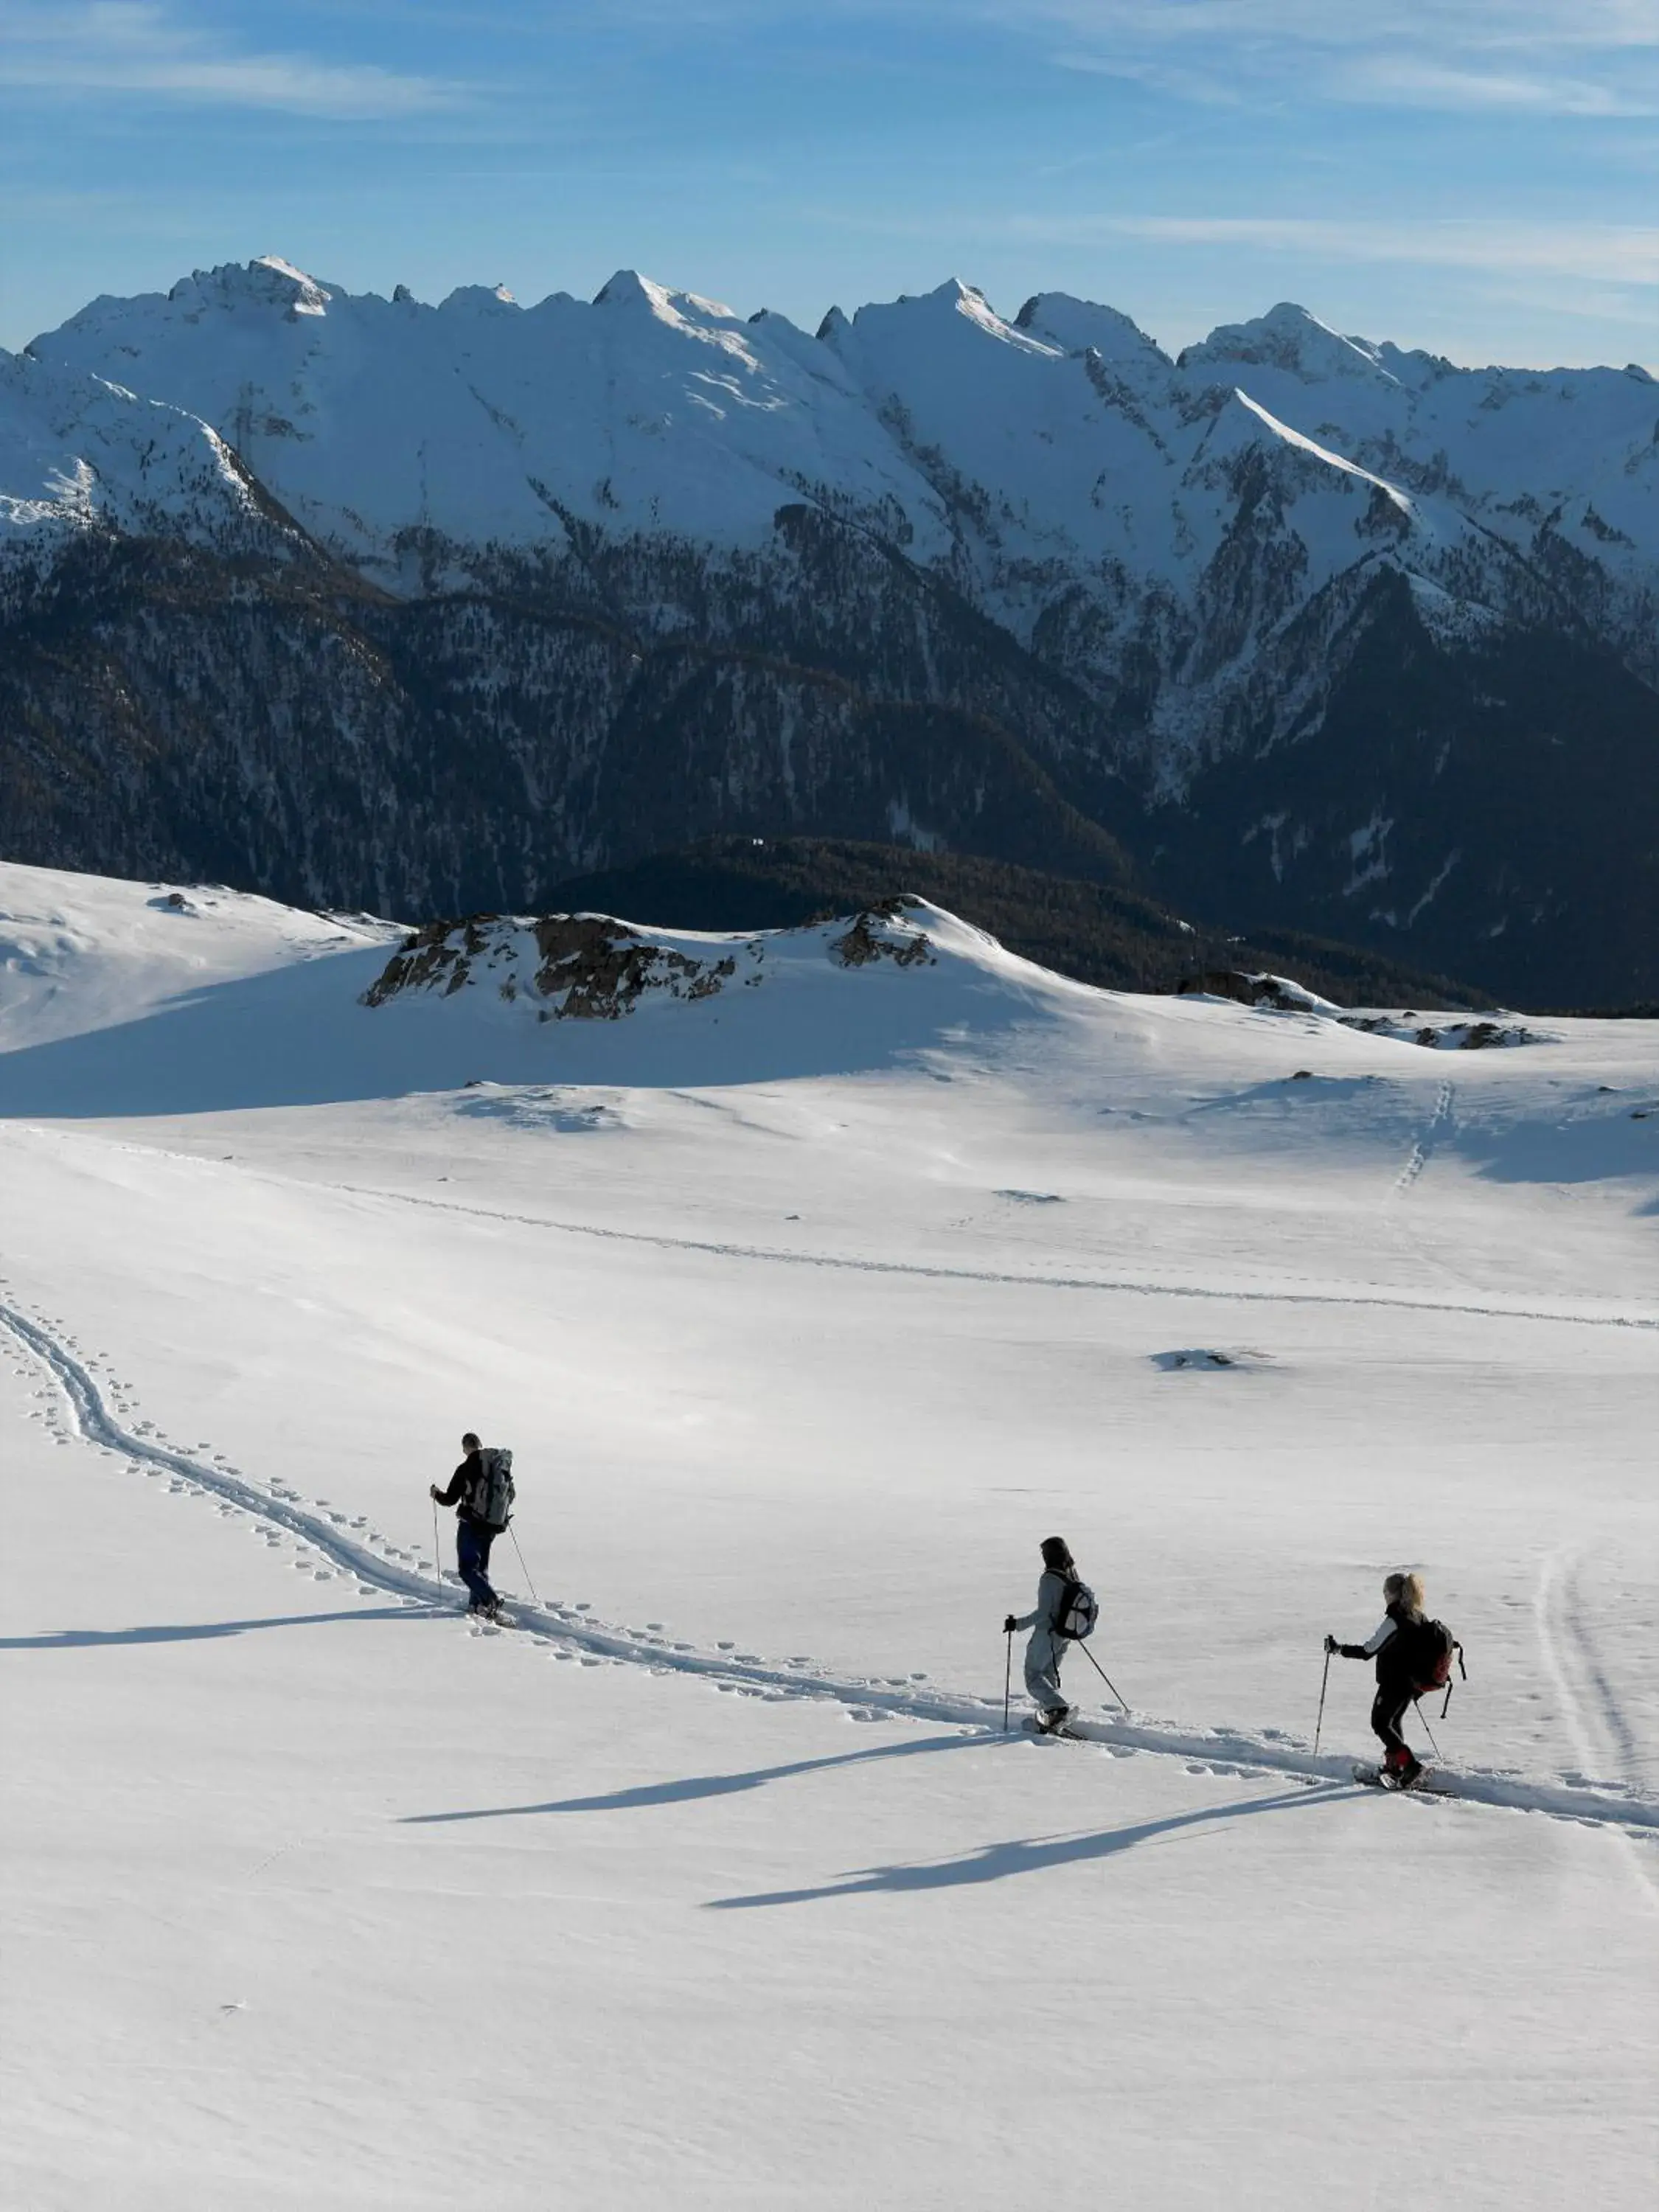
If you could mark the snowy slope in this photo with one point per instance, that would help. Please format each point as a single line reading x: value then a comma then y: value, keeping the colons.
x: 80, y: 954
x: 79, y: 454
x: 808, y: 1305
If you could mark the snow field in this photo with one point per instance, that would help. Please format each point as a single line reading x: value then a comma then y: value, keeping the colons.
x: 334, y: 1900
x: 722, y: 1888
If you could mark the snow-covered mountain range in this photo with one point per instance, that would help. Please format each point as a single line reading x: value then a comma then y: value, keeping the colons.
x: 361, y: 599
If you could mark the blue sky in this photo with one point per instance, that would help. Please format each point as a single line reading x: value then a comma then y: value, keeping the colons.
x: 1478, y: 176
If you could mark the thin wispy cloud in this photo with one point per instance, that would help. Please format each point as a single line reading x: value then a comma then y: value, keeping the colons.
x: 1599, y: 57
x: 130, y: 49
x: 1600, y: 253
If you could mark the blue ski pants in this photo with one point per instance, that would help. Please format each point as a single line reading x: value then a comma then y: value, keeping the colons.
x: 472, y: 1558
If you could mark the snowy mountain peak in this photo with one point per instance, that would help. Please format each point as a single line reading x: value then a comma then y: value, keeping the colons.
x: 1287, y: 337
x: 302, y: 294
x: 914, y: 320
x: 266, y: 281
x: 1081, y: 327
x: 479, y: 299
x: 629, y: 289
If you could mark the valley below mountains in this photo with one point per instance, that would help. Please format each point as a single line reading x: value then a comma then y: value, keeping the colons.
x: 363, y: 603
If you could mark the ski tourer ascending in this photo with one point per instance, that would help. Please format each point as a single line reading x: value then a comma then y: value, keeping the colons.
x: 1047, y: 1645
x: 481, y: 1491
x: 1395, y: 1645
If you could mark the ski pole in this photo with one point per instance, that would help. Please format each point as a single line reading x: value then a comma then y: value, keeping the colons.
x: 1463, y: 1674
x: 1323, y: 1682
x: 437, y: 1555
x: 1427, y: 1730
x: 1007, y: 1680
x: 527, y: 1571
x: 1104, y: 1677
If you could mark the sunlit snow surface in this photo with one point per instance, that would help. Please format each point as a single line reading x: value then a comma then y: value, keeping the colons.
x: 807, y: 1309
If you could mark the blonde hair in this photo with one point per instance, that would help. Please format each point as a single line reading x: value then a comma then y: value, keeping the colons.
x: 1405, y: 1589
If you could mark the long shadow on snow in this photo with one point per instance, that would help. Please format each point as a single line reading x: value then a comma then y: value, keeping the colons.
x: 72, y: 1640
x: 698, y: 1785
x: 998, y: 1861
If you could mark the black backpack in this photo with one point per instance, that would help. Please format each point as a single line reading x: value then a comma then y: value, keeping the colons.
x: 1432, y: 1650
x: 493, y: 1493
x: 1077, y: 1613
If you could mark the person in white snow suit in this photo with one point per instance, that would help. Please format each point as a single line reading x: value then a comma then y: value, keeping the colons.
x: 1047, y: 1647
x: 1393, y: 1644
x: 473, y: 1535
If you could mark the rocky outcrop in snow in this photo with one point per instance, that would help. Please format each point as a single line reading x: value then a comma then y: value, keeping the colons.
x: 586, y: 967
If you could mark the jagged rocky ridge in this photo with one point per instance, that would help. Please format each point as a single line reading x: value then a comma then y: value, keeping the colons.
x: 591, y: 967
x: 359, y: 600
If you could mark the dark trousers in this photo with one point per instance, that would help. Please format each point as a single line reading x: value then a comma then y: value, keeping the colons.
x: 472, y: 1557
x: 1387, y: 1710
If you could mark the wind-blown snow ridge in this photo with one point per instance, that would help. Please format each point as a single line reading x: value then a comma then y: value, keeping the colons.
x: 1605, y: 1804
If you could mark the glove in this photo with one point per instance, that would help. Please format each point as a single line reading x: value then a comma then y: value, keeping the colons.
x: 432, y: 1491
x: 1331, y: 1644
x: 1008, y: 1626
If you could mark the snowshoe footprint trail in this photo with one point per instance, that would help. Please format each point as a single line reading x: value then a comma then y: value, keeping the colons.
x: 573, y: 1635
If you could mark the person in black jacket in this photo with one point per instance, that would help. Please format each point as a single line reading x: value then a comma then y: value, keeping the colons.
x: 1393, y: 1644
x: 473, y: 1537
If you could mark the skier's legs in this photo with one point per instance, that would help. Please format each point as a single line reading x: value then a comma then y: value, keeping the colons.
x: 472, y: 1558
x: 1042, y: 1657
x: 484, y: 1538
x: 1387, y: 1710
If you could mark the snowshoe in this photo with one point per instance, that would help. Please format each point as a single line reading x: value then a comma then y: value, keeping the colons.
x: 1056, y: 1724
x: 1384, y: 1777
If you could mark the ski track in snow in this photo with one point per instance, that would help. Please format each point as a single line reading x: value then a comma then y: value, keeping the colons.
x: 1394, y: 1301
x: 1557, y: 1604
x: 1616, y: 1806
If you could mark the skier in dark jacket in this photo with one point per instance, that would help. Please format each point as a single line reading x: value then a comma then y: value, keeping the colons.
x: 1047, y: 1647
x: 473, y: 1536
x: 1393, y: 1644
